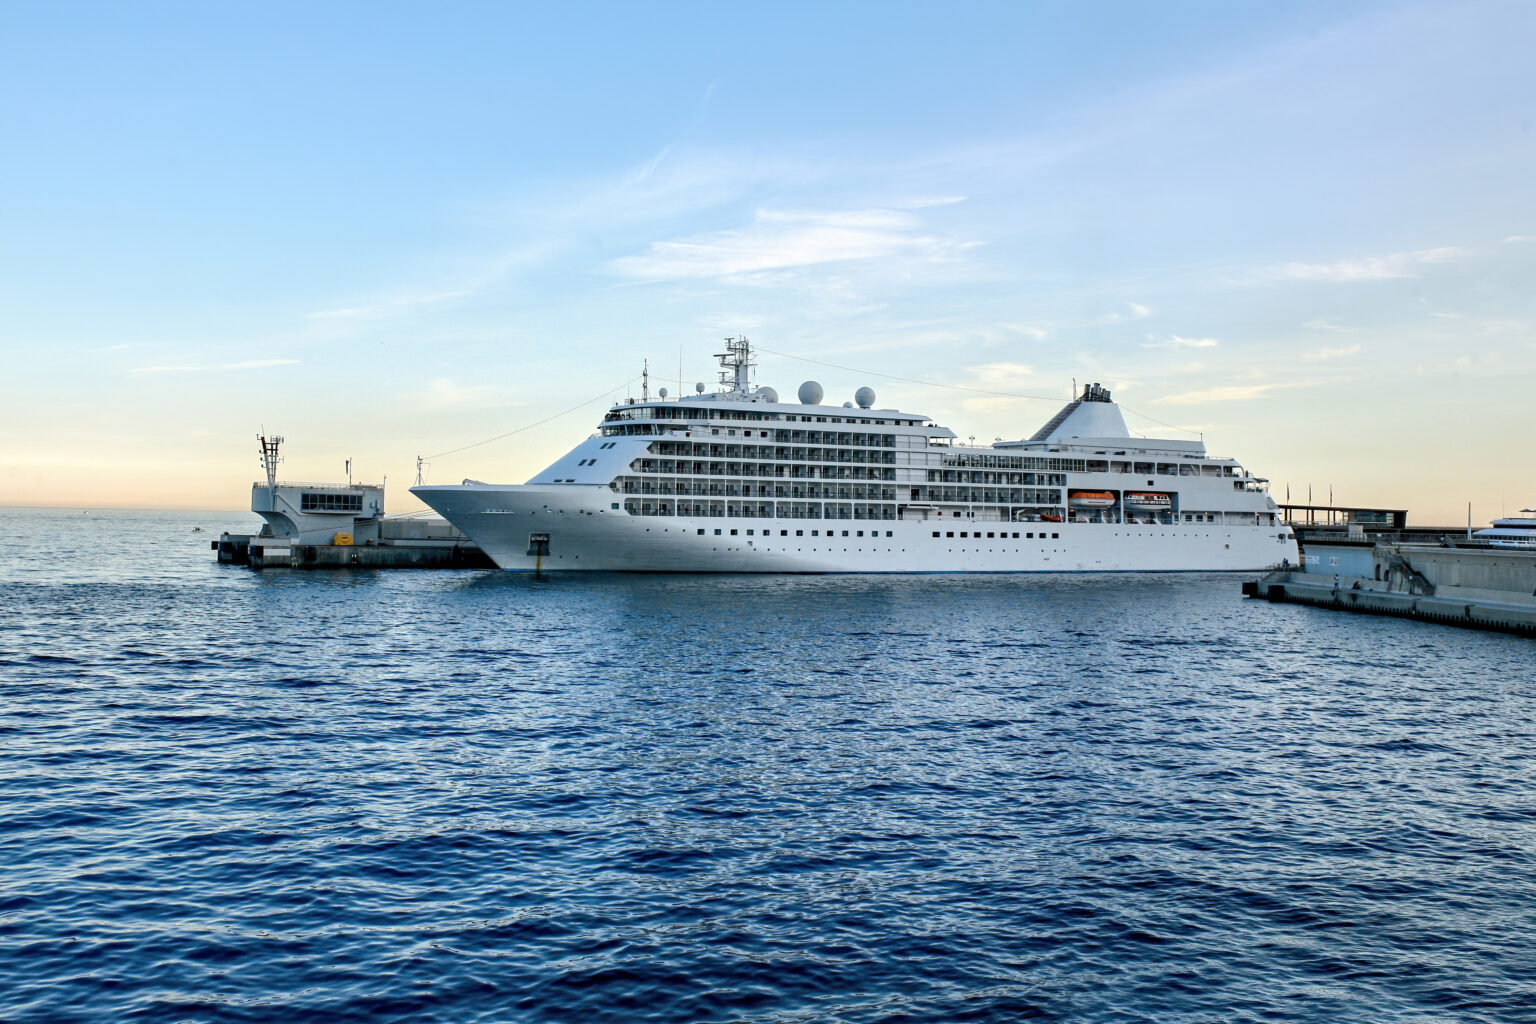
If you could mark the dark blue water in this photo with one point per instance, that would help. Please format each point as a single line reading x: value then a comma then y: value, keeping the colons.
x: 462, y: 796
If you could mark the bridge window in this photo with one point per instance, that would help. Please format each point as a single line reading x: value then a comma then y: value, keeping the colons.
x: 312, y: 501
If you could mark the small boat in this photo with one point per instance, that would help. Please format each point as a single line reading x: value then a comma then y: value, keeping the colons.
x: 1091, y: 499
x: 1148, y: 499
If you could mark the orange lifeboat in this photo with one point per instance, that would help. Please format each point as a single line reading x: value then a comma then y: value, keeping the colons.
x: 1090, y: 499
x: 1148, y: 500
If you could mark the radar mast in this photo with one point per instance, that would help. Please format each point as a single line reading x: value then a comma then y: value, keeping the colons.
x: 736, y: 366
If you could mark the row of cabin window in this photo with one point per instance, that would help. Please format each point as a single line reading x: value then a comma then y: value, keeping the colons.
x: 769, y: 470
x: 1012, y: 462
x: 986, y: 496
x: 837, y: 438
x: 794, y: 452
x: 718, y: 464
x: 813, y: 492
x: 888, y: 533
x: 1002, y: 536
x: 830, y: 511
x: 685, y: 412
x: 963, y: 476
x: 801, y: 533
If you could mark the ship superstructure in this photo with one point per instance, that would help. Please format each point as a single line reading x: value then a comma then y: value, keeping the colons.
x: 1511, y: 531
x: 739, y: 481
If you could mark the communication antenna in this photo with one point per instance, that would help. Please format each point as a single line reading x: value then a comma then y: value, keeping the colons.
x: 419, y: 464
x: 349, y: 472
x: 269, y: 459
x: 645, y: 381
x: 736, y: 365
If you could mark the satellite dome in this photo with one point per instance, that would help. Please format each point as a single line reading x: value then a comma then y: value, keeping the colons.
x: 865, y: 397
x: 699, y: 387
x: 767, y: 395
x: 847, y: 405
x: 663, y: 392
x: 810, y: 393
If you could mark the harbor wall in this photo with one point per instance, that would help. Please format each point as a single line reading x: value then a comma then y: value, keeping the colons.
x: 266, y: 554
x: 1474, y: 568
x: 383, y: 544
x: 1477, y: 587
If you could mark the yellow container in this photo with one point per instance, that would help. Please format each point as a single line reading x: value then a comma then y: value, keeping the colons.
x: 342, y: 540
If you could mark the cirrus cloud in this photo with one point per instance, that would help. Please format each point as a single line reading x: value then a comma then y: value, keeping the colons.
x: 783, y: 239
x: 244, y: 364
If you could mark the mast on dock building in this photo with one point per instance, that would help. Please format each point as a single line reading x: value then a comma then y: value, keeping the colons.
x: 270, y: 459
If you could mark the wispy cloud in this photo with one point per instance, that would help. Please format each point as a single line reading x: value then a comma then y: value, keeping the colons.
x: 1229, y: 393
x: 1001, y: 376
x: 646, y: 170
x: 782, y: 240
x: 388, y: 306
x: 247, y: 364
x: 924, y: 203
x: 1176, y: 341
x: 1321, y: 354
x: 1371, y: 268
x: 1132, y: 311
x: 446, y: 393
x: 1029, y: 331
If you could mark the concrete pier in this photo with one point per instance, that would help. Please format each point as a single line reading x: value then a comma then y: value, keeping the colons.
x: 400, y: 544
x: 1458, y: 584
x: 339, y: 526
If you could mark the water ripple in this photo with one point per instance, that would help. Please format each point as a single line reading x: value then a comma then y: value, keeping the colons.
x: 463, y: 797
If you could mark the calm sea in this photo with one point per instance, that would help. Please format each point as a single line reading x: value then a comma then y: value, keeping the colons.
x: 472, y: 796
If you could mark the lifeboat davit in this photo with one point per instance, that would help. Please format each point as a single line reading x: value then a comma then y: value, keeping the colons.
x: 1090, y: 499
x: 1147, y: 499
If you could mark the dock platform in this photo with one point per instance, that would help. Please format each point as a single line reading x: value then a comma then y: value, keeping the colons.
x: 1458, y: 584
x: 400, y: 544
x: 340, y: 526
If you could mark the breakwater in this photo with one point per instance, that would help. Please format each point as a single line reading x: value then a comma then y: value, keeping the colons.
x: 1459, y: 584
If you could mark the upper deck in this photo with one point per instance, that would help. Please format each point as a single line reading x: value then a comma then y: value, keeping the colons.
x: 743, y: 452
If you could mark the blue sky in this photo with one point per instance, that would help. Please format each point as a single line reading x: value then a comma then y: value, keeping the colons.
x: 1307, y: 230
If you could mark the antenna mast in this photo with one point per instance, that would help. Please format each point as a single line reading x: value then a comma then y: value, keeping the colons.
x: 270, y: 459
x: 645, y: 381
x: 736, y: 365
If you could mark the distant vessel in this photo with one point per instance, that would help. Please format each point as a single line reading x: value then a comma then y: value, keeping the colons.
x: 738, y: 481
x: 1512, y: 531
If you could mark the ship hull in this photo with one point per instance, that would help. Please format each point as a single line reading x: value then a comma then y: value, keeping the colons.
x: 587, y: 531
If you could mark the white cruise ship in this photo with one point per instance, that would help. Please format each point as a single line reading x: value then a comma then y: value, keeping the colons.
x: 739, y: 481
